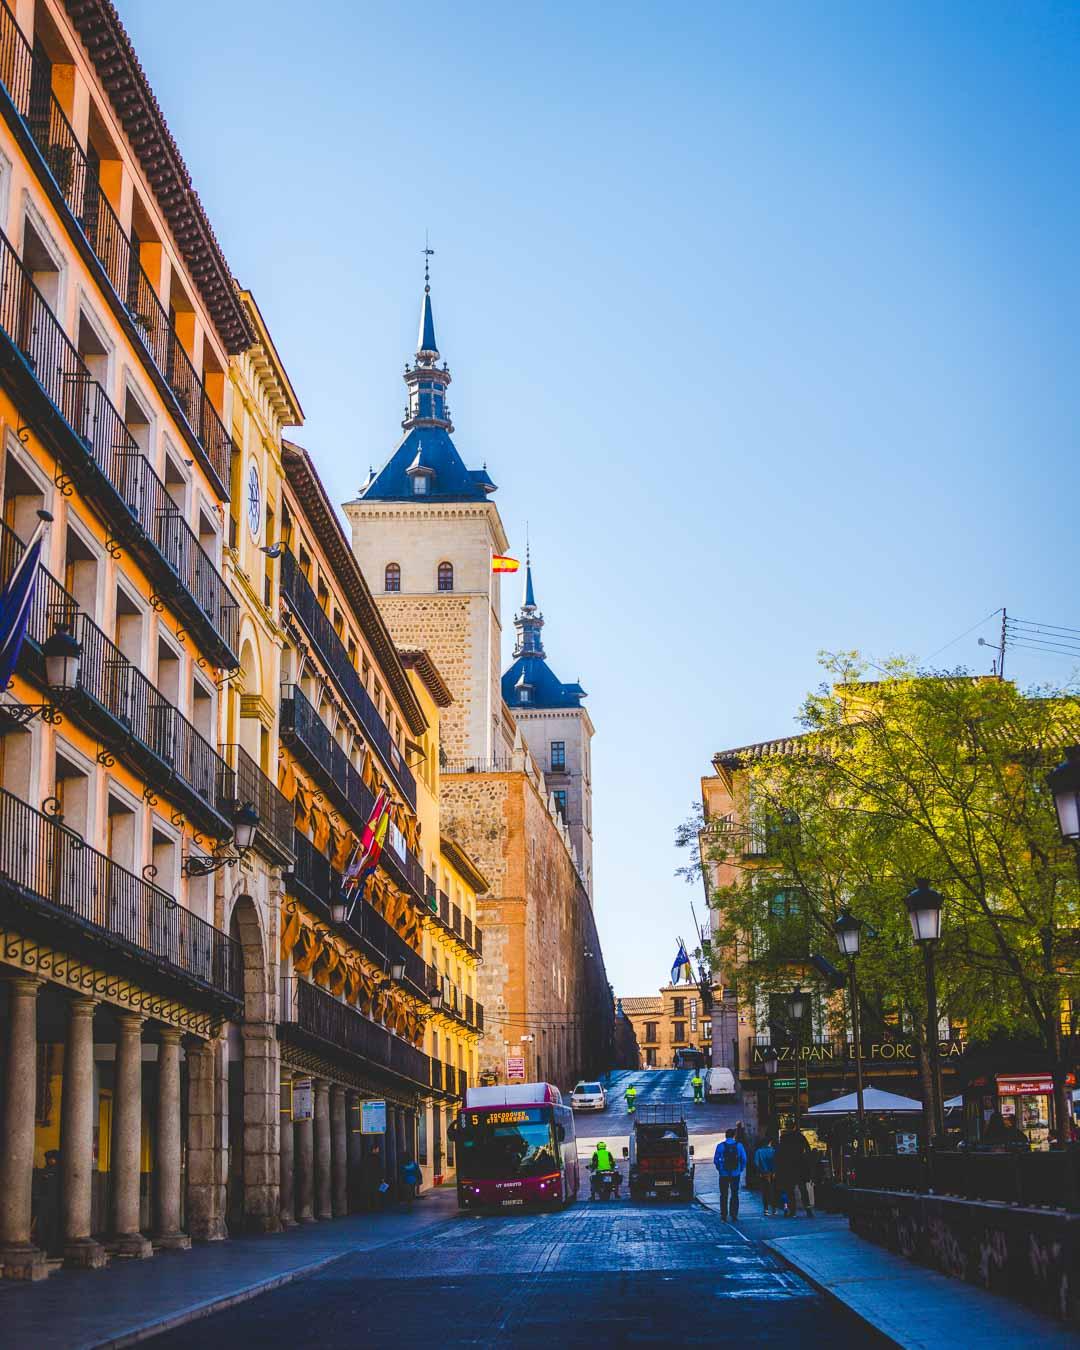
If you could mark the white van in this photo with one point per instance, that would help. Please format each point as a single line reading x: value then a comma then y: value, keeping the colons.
x: 719, y: 1085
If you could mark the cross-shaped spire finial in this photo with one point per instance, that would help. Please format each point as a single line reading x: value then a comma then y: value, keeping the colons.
x: 429, y: 253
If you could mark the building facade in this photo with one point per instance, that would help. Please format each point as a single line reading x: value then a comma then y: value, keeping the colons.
x: 744, y: 1028
x: 118, y: 320
x: 671, y: 1020
x: 425, y: 527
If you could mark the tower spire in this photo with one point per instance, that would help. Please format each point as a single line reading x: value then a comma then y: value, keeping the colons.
x: 425, y: 378
x: 528, y: 620
x: 426, y: 341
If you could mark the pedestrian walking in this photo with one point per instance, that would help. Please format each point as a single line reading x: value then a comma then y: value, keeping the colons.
x: 698, y: 1086
x: 410, y: 1177
x: 730, y: 1163
x: 765, y: 1167
x: 793, y: 1163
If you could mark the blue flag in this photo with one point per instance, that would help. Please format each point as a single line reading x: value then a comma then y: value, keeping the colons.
x: 681, y: 960
x: 15, y: 602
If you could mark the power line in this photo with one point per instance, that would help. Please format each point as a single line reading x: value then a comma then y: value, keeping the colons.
x: 952, y: 641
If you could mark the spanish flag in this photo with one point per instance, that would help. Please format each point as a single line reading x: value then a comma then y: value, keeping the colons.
x: 501, y: 563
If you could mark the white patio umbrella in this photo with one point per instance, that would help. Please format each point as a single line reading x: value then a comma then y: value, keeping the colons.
x: 954, y: 1103
x: 874, y: 1099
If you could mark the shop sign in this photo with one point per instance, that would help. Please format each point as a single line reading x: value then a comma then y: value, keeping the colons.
x: 372, y: 1117
x: 515, y: 1068
x: 907, y: 1142
x: 824, y: 1053
x: 303, y: 1105
x: 1020, y: 1086
x: 693, y: 1016
x: 788, y: 1083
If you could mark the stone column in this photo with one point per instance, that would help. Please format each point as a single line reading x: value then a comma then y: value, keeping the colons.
x: 127, y: 1138
x: 339, y: 1191
x: 167, y: 1145
x: 304, y: 1153
x: 262, y: 1088
x: 207, y: 1123
x: 77, y: 1105
x: 353, y: 1152
x: 287, y: 1136
x: 19, y: 1259
x: 323, y: 1208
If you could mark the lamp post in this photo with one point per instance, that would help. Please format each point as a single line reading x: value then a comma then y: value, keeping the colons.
x: 1064, y: 783
x: 848, y: 931
x: 797, y: 1009
x: 245, y: 824
x: 770, y: 1064
x: 63, y: 655
x: 924, y: 906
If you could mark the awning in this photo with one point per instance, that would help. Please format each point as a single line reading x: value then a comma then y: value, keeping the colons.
x: 874, y: 1099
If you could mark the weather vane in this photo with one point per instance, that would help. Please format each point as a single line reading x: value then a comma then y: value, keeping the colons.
x: 429, y: 253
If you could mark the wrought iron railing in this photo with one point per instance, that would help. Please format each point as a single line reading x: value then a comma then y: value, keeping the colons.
x: 250, y: 784
x: 42, y: 860
x: 319, y: 1014
x: 177, y: 751
x: 301, y: 724
x: 305, y: 604
x: 495, y: 765
x: 320, y: 881
x: 112, y: 451
x: 79, y: 185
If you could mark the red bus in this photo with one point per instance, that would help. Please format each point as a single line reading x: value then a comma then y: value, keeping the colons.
x: 516, y: 1148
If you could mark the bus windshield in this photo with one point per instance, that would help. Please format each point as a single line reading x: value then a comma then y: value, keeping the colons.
x: 506, y: 1144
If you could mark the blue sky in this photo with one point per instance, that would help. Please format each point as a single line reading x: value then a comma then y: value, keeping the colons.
x: 764, y: 316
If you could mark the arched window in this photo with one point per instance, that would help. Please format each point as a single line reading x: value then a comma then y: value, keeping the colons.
x: 393, y: 576
x: 446, y: 576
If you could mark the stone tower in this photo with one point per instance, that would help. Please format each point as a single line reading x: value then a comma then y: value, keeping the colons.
x: 554, y: 724
x: 424, y: 529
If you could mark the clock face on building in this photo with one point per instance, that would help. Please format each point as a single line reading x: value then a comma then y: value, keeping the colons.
x: 254, y: 502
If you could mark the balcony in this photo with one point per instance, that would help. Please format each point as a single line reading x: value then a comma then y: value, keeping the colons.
x: 315, y: 881
x: 68, y: 409
x: 309, y: 1014
x: 450, y: 919
x: 94, y: 225
x: 71, y: 893
x: 249, y: 784
x: 308, y: 735
x: 305, y: 605
x: 121, y: 706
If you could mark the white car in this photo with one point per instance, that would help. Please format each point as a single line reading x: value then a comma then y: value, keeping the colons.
x: 589, y: 1097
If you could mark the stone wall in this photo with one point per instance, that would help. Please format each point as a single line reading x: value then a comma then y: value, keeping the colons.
x: 543, y: 972
x: 1032, y: 1255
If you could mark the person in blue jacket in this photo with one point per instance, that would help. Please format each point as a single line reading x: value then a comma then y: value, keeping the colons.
x: 730, y: 1163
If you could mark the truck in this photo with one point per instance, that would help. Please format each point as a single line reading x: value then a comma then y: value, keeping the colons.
x: 661, y: 1155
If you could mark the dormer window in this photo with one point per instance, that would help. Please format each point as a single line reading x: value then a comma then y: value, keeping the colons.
x: 525, y: 694
x: 420, y: 486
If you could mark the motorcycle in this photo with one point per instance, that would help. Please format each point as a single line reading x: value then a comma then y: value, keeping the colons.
x: 603, y: 1187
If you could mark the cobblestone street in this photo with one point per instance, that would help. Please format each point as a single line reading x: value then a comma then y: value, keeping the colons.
x: 601, y: 1274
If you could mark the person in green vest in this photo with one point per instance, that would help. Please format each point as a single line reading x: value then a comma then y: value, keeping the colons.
x: 631, y: 1098
x: 698, y: 1086
x: 602, y: 1161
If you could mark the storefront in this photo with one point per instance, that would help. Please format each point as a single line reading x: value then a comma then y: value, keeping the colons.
x: 1025, y: 1101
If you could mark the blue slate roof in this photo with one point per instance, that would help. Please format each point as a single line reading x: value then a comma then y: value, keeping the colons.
x: 451, y: 481
x: 426, y: 342
x: 546, y: 689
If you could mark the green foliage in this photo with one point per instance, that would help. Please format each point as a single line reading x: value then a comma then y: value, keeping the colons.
x: 914, y: 775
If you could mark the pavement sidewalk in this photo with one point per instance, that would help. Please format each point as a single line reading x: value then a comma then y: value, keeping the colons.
x: 916, y: 1308
x: 131, y: 1301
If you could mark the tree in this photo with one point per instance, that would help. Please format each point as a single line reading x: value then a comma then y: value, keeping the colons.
x: 936, y: 775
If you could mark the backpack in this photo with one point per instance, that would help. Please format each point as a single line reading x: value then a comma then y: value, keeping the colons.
x: 731, y: 1155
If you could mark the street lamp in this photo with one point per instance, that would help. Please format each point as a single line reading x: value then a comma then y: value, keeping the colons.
x: 924, y: 906
x: 435, y: 997
x: 848, y: 931
x: 1064, y: 783
x: 797, y: 1002
x: 397, y: 971
x: 63, y: 655
x: 245, y: 824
